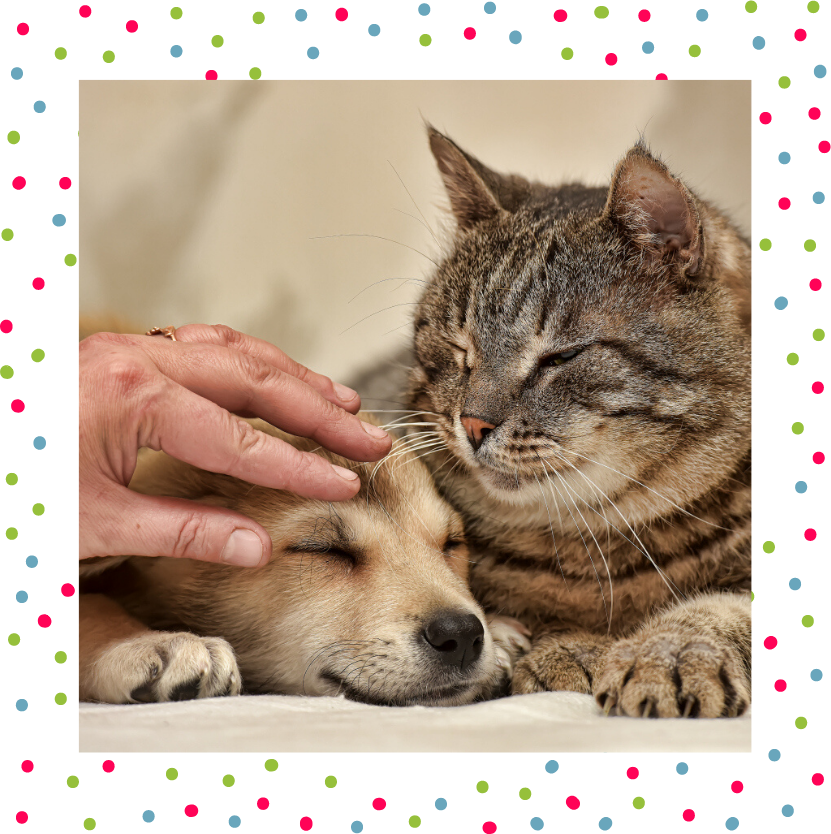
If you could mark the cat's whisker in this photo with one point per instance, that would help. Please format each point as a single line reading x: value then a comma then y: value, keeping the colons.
x: 377, y: 237
x: 383, y: 281
x: 378, y: 313
x: 412, y: 199
x: 551, y: 528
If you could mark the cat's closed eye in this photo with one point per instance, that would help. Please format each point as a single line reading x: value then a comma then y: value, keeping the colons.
x: 553, y: 359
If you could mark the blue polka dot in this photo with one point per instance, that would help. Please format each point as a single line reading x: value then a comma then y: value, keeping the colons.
x: 21, y: 596
x: 701, y: 15
x: 816, y: 674
x: 795, y: 584
x: 176, y: 51
x: 774, y: 755
x: 148, y: 816
x: 537, y: 824
x: 17, y: 73
x: 357, y: 827
x: 784, y: 157
x: 605, y: 824
x: 490, y: 8
x: 424, y: 9
x: 40, y: 107
x: 818, y: 197
x: 800, y: 487
x: 648, y: 47
x: 31, y: 561
x: 552, y: 767
x: 758, y: 42
x: 374, y: 30
x: 300, y: 15
x: 234, y: 821
x: 819, y: 71
x: 58, y: 220
x: 732, y: 824
x: 313, y: 52
x: 39, y: 443
x: 787, y: 810
x: 441, y: 804
x: 515, y: 36
x: 22, y: 705
x: 682, y: 768
x: 781, y: 303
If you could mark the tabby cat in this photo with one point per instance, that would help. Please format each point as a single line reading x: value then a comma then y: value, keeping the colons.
x: 584, y: 357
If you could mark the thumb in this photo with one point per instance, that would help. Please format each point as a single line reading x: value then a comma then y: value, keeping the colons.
x: 144, y: 525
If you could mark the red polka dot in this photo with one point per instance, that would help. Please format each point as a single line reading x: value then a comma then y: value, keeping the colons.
x: 737, y: 786
x: 810, y: 534
x: 262, y: 803
x: 67, y: 590
x: 561, y: 15
x: 38, y: 283
x: 18, y: 406
x: 688, y: 815
x: 5, y: 326
x: 306, y: 824
x: 27, y: 766
x: 814, y: 113
x: 824, y: 146
x: 489, y: 827
x: 470, y: 33
x: 132, y: 26
x: 211, y: 75
x: 633, y: 773
x: 64, y: 182
x: 22, y: 28
x: 770, y: 642
x: 18, y: 183
x: 784, y: 203
x: 21, y: 817
x: 573, y: 802
x: 44, y: 621
x: 818, y: 457
x: 611, y: 59
x: 85, y: 11
x: 191, y: 810
x: 817, y: 387
x: 779, y: 686
x: 644, y: 15
x: 379, y: 804
x: 800, y: 34
x: 108, y: 766
x: 815, y: 284
x: 817, y: 779
x: 341, y: 13
x: 765, y: 118
x: 661, y: 76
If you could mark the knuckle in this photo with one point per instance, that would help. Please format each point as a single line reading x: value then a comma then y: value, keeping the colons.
x: 191, y: 537
x: 260, y: 374
x: 226, y: 335
x: 248, y: 442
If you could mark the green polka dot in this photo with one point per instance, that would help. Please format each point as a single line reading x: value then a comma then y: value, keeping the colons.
x: 6, y: 372
x: 765, y: 244
x: 108, y: 56
x: 11, y: 479
x: 175, y: 12
x: 38, y: 355
x: 813, y: 7
x: 524, y: 793
x: 768, y: 547
x: 797, y: 428
x: 217, y: 41
x: 72, y: 781
x: 60, y: 53
x: 801, y: 723
x: 254, y: 73
x: 38, y: 509
x: 60, y: 657
x: 818, y: 335
x: 793, y: 358
x: 638, y: 802
x: 600, y: 12
x: 807, y: 621
x: 7, y: 234
x: 425, y: 40
x: 482, y: 787
x: 70, y: 260
x: 810, y: 245
x: 784, y: 82
x: 750, y: 7
x: 330, y: 781
x: 695, y: 50
x: 14, y: 639
x: 752, y: 596
x: 567, y: 53
x: 11, y: 533
x: 60, y: 699
x: 89, y: 823
x: 13, y: 137
x: 258, y: 18
x: 171, y: 773
x: 228, y: 780
x: 414, y: 821
x: 271, y: 765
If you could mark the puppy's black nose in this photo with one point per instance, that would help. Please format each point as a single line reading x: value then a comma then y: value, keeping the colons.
x: 456, y: 636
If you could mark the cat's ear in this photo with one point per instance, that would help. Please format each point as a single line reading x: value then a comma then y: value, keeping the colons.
x: 656, y: 211
x: 476, y: 193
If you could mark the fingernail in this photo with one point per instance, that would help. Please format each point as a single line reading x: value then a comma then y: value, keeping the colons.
x: 243, y: 548
x: 345, y: 395
x: 374, y: 431
x: 346, y: 474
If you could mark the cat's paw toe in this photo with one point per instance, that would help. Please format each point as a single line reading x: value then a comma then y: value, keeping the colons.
x: 559, y: 662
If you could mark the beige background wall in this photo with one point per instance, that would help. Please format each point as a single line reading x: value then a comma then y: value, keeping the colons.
x: 200, y: 202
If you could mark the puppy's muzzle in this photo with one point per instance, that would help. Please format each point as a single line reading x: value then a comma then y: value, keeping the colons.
x: 455, y: 638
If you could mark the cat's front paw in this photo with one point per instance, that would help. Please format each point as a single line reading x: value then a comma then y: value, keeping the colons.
x: 670, y: 673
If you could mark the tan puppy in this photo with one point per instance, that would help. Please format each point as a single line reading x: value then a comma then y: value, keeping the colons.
x: 367, y: 598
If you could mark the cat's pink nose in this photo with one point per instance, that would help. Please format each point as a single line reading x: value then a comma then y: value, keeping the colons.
x: 477, y: 430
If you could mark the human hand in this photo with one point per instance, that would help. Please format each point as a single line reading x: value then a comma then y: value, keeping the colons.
x: 145, y: 391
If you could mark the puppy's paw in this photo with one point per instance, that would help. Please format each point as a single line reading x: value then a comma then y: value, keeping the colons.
x: 161, y: 666
x: 510, y: 641
x: 672, y: 673
x: 567, y: 661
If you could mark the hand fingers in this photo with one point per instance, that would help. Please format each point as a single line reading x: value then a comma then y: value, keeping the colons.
x: 259, y: 349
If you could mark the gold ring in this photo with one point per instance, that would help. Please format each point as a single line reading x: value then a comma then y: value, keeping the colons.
x: 168, y: 332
